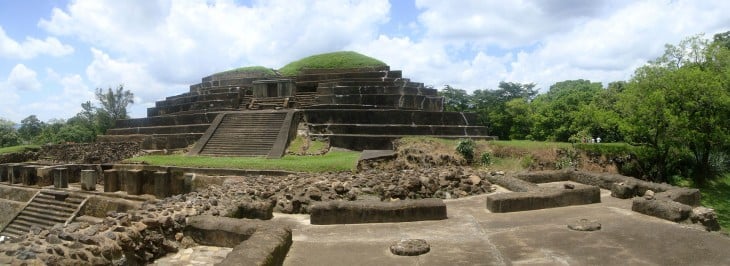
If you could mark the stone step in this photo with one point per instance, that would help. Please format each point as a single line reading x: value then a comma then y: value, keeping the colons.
x: 17, y: 229
x: 43, y: 201
x: 401, y: 117
x: 37, y: 207
x: 197, y: 98
x: 171, y: 120
x: 28, y: 221
x: 191, y: 128
x: 390, y: 129
x: 245, y: 134
x: 60, y: 216
x: 12, y: 232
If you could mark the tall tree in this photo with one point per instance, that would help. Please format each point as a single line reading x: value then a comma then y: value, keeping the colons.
x: 679, y: 102
x: 556, y: 112
x: 8, y: 135
x: 30, y: 128
x: 455, y: 100
x: 113, y: 107
x: 491, y: 106
x: 115, y: 102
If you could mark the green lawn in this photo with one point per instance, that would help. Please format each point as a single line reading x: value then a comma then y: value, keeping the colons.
x: 716, y: 195
x: 342, y: 59
x: 335, y: 161
x: 530, y: 145
x: 19, y: 148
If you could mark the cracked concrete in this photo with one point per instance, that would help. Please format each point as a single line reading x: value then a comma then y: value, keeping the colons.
x: 474, y: 236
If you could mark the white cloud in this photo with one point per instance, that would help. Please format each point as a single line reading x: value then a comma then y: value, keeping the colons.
x: 31, y: 47
x: 23, y: 78
x: 182, y: 41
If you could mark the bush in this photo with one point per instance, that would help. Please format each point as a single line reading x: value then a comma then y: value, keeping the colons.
x: 465, y: 147
x: 485, y: 159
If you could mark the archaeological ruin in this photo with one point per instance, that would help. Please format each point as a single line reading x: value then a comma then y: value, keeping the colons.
x: 79, y: 204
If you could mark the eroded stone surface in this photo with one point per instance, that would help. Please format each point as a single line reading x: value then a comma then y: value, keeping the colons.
x: 410, y: 247
x: 585, y: 225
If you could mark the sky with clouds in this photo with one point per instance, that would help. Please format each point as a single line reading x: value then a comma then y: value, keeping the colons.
x: 54, y: 53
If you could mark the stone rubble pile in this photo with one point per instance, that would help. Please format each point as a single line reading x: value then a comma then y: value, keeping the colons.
x: 143, y: 235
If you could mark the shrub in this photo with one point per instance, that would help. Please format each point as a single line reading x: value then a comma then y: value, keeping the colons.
x: 485, y: 159
x: 465, y: 147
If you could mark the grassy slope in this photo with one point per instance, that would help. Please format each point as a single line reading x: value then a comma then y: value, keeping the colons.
x: 19, y: 148
x: 252, y: 70
x: 716, y: 195
x: 343, y: 59
x: 332, y: 161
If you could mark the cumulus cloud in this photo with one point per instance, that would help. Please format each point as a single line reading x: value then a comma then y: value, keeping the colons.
x: 31, y: 47
x: 23, y: 78
x: 181, y: 41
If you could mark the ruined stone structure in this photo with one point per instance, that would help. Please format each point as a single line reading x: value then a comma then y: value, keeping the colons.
x: 244, y: 114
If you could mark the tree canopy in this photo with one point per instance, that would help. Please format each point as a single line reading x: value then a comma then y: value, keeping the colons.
x: 675, y: 110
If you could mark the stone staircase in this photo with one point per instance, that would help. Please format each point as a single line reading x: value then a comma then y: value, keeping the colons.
x: 46, y: 209
x: 245, y: 134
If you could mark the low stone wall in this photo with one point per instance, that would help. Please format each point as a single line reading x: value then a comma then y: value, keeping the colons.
x: 18, y: 157
x: 663, y: 201
x: 9, y: 210
x: 264, y: 248
x: 253, y: 242
x: 351, y: 212
x: 543, y: 198
x: 99, y: 206
x: 17, y: 193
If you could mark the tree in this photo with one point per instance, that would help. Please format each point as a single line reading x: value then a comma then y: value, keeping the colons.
x: 30, y: 128
x: 8, y: 135
x: 680, y: 104
x: 556, y: 112
x: 455, y: 100
x: 113, y: 107
x: 491, y: 106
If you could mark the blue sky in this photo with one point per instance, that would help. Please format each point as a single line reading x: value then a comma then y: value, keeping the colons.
x: 54, y: 53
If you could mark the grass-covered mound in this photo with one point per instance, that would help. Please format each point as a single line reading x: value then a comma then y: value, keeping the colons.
x: 250, y: 71
x: 342, y: 59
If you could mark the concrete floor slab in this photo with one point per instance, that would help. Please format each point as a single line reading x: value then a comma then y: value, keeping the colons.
x: 474, y: 236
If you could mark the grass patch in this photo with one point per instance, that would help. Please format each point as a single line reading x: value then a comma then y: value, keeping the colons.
x: 335, y: 161
x: 530, y: 145
x: 252, y: 70
x: 19, y: 148
x: 342, y: 59
x: 716, y: 195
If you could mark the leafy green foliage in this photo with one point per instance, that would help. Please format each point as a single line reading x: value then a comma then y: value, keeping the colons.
x: 30, y: 128
x: 8, y: 135
x: 678, y: 107
x: 556, y: 112
x: 342, y: 59
x: 485, y: 159
x: 492, y: 107
x: 455, y: 100
x: 332, y: 161
x: 465, y: 147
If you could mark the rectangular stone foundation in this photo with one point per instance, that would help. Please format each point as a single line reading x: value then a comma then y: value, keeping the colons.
x: 543, y: 198
x: 352, y: 212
